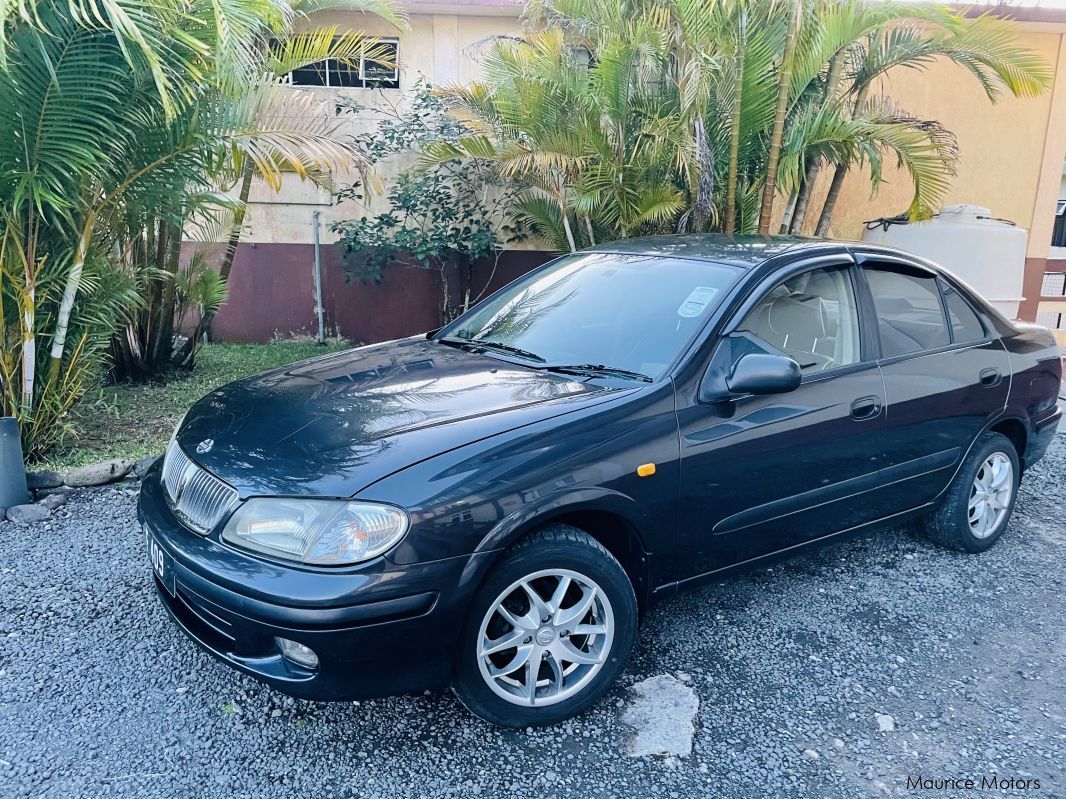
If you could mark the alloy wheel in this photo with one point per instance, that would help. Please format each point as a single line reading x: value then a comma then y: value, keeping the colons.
x: 990, y: 495
x: 545, y: 637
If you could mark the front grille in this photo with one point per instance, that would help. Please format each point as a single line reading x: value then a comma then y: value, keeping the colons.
x: 196, y: 495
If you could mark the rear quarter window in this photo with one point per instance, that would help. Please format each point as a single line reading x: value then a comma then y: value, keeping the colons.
x: 965, y: 323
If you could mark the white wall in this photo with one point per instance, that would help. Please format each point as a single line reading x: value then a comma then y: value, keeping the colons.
x: 439, y: 47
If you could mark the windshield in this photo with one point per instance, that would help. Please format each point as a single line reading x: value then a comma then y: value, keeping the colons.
x: 625, y: 312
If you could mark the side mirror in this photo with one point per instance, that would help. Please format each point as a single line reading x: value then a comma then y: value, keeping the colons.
x: 761, y: 373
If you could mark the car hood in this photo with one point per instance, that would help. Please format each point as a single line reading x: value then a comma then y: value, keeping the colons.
x: 333, y: 425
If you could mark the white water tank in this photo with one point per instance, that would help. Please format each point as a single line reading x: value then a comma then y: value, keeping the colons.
x: 986, y: 253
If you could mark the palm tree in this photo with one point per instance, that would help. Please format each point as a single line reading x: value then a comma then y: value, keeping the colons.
x: 653, y: 115
x: 269, y: 128
x: 784, y: 86
x: 313, y: 152
x: 588, y: 134
x: 119, y: 120
x: 984, y: 46
x: 291, y: 51
x: 735, y: 119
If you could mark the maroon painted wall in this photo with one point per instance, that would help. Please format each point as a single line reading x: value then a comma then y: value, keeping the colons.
x: 271, y: 293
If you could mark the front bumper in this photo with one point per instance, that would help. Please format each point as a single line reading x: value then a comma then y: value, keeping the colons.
x: 378, y: 629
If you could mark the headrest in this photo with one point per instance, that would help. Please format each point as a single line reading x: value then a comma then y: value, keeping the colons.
x: 800, y: 317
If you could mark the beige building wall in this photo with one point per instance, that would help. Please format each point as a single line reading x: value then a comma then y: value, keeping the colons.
x: 1011, y: 154
x: 1001, y: 147
x: 440, y: 45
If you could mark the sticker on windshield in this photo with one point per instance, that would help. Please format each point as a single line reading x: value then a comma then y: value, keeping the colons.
x: 697, y: 302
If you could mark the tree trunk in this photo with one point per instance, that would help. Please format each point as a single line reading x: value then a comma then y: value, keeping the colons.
x: 790, y: 207
x: 66, y: 305
x: 778, y: 132
x: 734, y: 126
x: 204, y: 327
x: 29, y: 348
x: 445, y: 289
x: 840, y: 172
x: 28, y: 252
x: 799, y: 215
x: 238, y: 223
x: 566, y: 226
x: 165, y: 330
x: 703, y: 208
x: 803, y: 199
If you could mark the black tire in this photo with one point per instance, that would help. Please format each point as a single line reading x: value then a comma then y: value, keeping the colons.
x: 949, y: 525
x: 554, y: 547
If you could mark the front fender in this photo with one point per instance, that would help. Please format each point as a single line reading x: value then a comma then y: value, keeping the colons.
x: 552, y: 506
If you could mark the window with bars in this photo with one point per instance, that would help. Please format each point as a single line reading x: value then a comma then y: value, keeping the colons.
x: 1054, y: 285
x: 367, y: 73
x: 1058, y: 232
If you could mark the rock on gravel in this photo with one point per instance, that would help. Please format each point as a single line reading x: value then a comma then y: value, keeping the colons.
x: 53, y: 501
x: 141, y: 467
x: 48, y: 492
x: 662, y: 715
x: 98, y: 473
x: 28, y: 514
x: 35, y: 480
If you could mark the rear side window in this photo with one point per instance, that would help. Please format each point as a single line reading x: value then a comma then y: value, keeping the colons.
x: 910, y: 317
x: 965, y: 324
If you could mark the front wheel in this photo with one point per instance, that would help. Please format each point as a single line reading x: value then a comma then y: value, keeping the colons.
x: 548, y: 632
x: 977, y: 507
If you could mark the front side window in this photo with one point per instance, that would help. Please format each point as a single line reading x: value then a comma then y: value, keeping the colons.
x: 910, y: 317
x: 632, y: 312
x: 812, y: 318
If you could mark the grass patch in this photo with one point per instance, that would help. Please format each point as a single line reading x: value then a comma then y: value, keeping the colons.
x: 134, y: 420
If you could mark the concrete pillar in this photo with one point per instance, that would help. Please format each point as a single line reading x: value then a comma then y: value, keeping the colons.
x: 445, y: 49
x: 1047, y: 191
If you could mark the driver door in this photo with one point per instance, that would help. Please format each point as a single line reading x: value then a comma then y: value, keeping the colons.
x: 761, y: 474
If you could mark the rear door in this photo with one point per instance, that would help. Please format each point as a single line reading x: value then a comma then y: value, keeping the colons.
x: 946, y: 376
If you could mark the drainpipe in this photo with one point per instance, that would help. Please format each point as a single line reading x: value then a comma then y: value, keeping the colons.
x: 12, y: 471
x: 321, y: 339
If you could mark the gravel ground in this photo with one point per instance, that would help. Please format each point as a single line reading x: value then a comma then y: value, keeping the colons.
x: 839, y: 674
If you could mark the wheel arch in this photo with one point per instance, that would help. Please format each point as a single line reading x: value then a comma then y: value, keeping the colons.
x: 608, y: 517
x: 1017, y: 432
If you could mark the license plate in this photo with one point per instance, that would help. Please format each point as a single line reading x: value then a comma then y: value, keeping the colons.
x: 158, y: 559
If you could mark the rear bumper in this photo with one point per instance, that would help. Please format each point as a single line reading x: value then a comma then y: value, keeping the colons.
x: 378, y: 630
x: 1043, y: 434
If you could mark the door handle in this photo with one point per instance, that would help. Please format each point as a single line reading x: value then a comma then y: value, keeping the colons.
x: 866, y: 408
x: 990, y: 377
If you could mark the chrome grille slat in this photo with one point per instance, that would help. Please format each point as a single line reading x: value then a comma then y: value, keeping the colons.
x: 196, y: 495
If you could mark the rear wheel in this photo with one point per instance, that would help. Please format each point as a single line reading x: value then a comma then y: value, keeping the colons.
x: 548, y: 632
x: 977, y: 507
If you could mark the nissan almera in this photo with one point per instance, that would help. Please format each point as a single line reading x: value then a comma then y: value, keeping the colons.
x: 493, y: 505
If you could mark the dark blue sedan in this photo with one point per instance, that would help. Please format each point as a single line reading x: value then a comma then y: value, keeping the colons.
x: 494, y: 504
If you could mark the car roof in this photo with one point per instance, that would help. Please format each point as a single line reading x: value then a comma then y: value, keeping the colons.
x: 743, y: 251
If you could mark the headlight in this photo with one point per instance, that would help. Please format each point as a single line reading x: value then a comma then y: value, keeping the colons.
x: 321, y: 532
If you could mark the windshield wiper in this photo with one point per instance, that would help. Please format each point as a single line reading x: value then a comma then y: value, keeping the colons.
x: 598, y: 369
x: 475, y: 344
